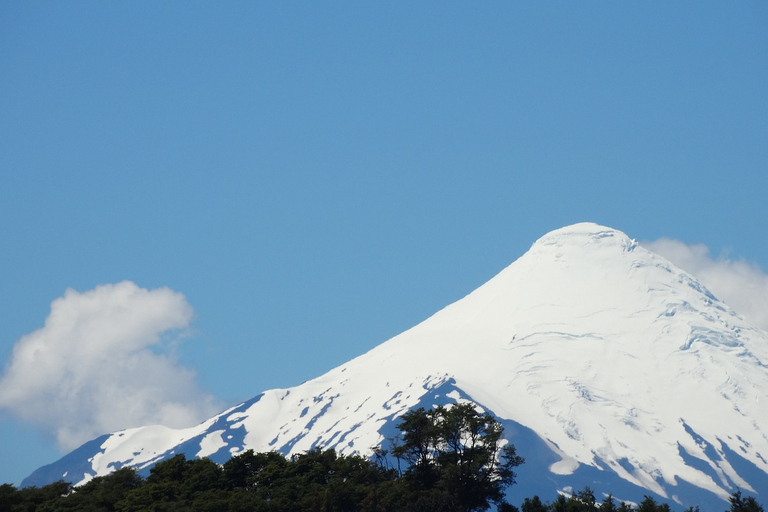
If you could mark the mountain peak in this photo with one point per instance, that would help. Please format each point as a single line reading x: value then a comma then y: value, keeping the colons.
x: 585, y: 229
x: 583, y: 238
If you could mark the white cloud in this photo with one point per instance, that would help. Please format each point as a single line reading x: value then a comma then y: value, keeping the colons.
x: 741, y: 285
x: 101, y: 363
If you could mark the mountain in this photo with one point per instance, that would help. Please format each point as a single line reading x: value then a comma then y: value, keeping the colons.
x: 607, y: 365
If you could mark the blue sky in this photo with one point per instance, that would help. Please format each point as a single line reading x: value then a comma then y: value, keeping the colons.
x: 293, y: 183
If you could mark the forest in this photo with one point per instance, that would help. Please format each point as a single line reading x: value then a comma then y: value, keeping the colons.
x: 446, y: 459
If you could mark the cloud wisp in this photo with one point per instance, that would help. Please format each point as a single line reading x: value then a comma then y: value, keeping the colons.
x: 741, y: 285
x: 101, y: 364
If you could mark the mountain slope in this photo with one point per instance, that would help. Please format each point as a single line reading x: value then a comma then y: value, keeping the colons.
x: 608, y: 365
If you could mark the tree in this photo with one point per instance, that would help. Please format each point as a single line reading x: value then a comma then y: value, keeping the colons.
x: 739, y: 504
x: 583, y: 500
x: 10, y: 498
x: 249, y: 469
x: 533, y: 505
x: 608, y: 505
x: 38, y: 498
x: 458, y: 452
x: 649, y: 505
x: 101, y: 493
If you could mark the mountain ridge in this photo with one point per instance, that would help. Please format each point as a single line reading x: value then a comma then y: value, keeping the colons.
x: 614, y: 358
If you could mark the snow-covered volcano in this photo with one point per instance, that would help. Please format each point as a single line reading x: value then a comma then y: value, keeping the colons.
x: 608, y: 366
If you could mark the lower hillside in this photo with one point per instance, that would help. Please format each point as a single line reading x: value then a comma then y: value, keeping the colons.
x: 311, y: 482
x: 446, y: 459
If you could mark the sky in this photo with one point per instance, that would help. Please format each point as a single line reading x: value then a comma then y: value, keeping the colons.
x: 201, y: 201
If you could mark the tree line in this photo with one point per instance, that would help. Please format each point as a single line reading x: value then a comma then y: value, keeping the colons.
x: 446, y: 459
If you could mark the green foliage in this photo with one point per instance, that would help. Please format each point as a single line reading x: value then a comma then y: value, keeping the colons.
x: 458, y: 455
x: 31, y: 499
x: 560, y: 504
x: 649, y: 505
x: 249, y: 469
x: 739, y: 504
x: 581, y: 501
x: 10, y: 498
x: 316, y: 481
x: 176, y: 484
x: 100, y: 494
x: 533, y: 505
x: 608, y: 505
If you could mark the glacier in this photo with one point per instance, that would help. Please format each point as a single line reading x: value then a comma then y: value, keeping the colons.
x: 607, y: 365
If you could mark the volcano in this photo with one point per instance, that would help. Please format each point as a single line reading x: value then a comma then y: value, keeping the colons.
x: 608, y: 366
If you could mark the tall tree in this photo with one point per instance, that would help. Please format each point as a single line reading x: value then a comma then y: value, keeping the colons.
x: 739, y: 504
x: 458, y: 451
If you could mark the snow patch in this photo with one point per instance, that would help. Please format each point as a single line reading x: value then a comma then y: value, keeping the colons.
x: 211, y: 443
